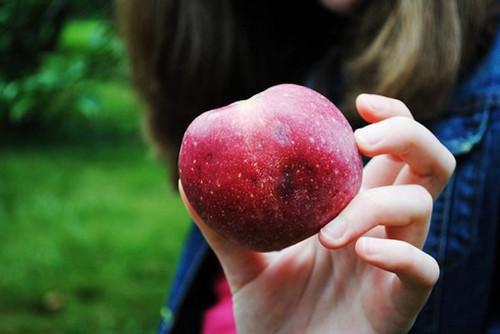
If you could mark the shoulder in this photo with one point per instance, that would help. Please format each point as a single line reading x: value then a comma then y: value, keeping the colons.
x: 482, y: 82
x: 474, y: 104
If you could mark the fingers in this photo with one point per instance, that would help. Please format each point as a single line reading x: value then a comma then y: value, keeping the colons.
x: 240, y: 264
x: 416, y: 272
x: 374, y: 108
x: 404, y: 210
x: 403, y: 139
x: 430, y: 163
x: 412, y: 265
x: 381, y: 170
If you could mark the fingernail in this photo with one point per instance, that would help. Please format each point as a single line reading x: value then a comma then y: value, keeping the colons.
x: 375, y: 102
x: 368, y: 135
x: 335, y: 230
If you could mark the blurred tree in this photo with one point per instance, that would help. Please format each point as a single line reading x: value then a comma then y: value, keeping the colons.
x: 31, y: 27
x: 26, y: 34
x: 50, y: 53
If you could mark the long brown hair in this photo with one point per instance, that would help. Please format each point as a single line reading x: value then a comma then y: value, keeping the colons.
x: 188, y: 56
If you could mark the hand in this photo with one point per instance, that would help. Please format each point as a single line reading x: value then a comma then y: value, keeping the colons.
x: 365, y: 272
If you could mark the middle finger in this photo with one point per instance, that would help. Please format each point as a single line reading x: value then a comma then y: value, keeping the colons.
x: 404, y: 210
x: 430, y: 163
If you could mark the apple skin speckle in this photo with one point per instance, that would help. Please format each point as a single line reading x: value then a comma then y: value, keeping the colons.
x: 272, y: 170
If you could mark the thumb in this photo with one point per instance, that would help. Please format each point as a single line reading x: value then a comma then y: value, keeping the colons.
x: 241, y: 265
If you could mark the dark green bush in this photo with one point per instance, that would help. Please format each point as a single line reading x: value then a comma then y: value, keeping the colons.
x: 52, y: 54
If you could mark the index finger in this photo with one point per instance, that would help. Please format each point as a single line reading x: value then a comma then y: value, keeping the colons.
x: 375, y: 108
x: 429, y: 163
x: 383, y: 169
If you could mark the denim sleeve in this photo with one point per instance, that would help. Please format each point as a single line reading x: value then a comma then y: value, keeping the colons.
x: 464, y: 227
x: 194, y: 254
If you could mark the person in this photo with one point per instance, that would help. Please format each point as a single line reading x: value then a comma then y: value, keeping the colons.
x: 420, y: 80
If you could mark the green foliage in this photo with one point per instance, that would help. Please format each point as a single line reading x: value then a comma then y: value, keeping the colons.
x: 52, y: 61
x: 63, y: 83
x: 32, y: 27
x: 89, y: 231
x: 29, y: 28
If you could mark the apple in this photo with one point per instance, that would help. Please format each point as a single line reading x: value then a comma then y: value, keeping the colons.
x: 270, y: 171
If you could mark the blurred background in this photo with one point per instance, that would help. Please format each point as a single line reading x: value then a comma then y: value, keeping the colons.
x: 90, y: 229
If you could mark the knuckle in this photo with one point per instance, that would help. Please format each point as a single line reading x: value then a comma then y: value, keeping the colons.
x: 404, y: 122
x: 446, y: 168
x: 435, y: 271
x: 400, y: 106
x: 424, y: 197
x: 423, y: 267
x: 432, y: 272
x: 451, y: 164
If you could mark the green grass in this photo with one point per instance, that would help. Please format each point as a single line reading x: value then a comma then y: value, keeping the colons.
x: 89, y: 236
x: 94, y: 229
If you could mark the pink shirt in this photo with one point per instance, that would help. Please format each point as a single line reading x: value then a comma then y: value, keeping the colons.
x: 219, y: 319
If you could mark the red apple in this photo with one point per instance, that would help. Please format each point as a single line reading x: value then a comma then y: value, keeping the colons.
x: 270, y: 171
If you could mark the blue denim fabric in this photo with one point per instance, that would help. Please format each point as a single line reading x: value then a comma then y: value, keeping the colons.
x: 464, y: 231
x: 195, y: 250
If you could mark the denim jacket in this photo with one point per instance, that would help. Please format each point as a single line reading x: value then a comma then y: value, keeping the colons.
x: 464, y: 232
